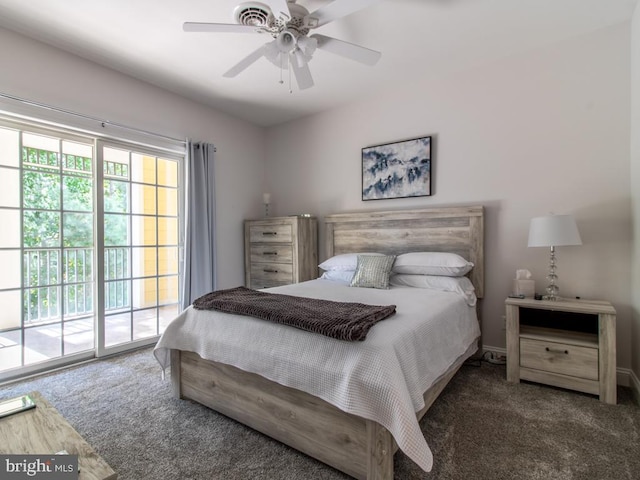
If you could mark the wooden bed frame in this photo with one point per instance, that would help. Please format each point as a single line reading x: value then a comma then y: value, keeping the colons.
x: 358, y: 447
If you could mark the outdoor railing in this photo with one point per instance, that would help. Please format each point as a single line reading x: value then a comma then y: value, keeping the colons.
x: 45, y: 275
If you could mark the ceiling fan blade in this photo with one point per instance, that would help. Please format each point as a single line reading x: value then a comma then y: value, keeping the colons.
x: 337, y: 9
x: 279, y: 8
x: 347, y: 50
x: 219, y: 27
x: 302, y: 73
x: 245, y: 63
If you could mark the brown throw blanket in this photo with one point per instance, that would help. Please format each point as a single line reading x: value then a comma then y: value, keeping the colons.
x: 341, y: 320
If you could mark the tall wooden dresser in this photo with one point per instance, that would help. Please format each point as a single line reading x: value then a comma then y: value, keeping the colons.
x: 280, y: 251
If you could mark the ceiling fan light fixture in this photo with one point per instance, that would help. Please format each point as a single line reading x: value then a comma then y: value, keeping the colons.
x: 273, y: 54
x: 308, y: 45
x: 286, y: 41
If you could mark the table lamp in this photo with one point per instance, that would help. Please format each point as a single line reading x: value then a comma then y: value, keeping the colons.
x: 553, y: 231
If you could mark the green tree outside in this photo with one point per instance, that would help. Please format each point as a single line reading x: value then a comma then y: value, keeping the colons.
x: 48, y: 189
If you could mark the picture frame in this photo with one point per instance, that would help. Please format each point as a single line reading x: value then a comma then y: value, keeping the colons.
x: 397, y: 170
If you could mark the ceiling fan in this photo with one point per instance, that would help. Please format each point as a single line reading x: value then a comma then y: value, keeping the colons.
x: 289, y: 25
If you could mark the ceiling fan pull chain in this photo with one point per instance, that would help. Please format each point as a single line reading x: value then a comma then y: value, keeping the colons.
x: 290, y: 68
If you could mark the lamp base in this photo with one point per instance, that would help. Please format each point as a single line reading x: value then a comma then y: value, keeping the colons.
x: 552, y: 288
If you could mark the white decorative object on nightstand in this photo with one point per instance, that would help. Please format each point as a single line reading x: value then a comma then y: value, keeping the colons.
x: 565, y: 343
x: 280, y: 251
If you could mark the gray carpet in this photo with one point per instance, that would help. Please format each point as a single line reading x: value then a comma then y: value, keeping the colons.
x: 480, y: 428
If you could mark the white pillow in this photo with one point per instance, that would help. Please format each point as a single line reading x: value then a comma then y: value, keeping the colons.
x: 341, y: 276
x: 460, y: 285
x: 432, y: 263
x: 346, y: 261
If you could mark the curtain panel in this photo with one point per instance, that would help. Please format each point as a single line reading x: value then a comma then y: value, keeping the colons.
x: 199, y: 247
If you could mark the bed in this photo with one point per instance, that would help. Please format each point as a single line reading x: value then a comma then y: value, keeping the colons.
x: 345, y: 432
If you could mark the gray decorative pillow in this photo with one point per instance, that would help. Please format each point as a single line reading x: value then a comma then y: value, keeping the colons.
x: 373, y: 271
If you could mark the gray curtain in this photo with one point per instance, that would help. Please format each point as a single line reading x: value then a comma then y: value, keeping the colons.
x: 199, y: 246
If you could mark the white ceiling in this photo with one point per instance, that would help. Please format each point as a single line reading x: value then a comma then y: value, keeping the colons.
x: 417, y: 38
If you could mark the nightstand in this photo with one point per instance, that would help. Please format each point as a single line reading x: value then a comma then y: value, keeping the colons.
x: 565, y: 343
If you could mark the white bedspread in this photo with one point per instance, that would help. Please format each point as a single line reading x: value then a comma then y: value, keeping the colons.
x: 400, y: 359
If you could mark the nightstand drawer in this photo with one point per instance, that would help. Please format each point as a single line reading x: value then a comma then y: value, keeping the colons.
x: 271, y: 275
x: 271, y: 254
x: 566, y: 359
x: 270, y: 234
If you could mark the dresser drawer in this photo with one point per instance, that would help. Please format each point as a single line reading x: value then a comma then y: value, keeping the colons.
x: 565, y: 359
x: 271, y: 275
x: 270, y: 233
x: 261, y: 253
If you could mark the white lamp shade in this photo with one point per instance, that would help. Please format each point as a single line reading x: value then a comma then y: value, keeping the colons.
x: 554, y: 231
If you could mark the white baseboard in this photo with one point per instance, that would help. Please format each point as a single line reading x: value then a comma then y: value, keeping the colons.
x: 498, y: 350
x: 624, y: 376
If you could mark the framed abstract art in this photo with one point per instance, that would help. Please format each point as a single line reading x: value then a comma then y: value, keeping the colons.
x: 397, y: 170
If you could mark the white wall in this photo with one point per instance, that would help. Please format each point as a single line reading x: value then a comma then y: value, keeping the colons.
x: 37, y: 72
x: 545, y: 131
x: 635, y: 186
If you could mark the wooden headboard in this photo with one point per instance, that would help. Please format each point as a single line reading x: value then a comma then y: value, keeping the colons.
x: 448, y: 229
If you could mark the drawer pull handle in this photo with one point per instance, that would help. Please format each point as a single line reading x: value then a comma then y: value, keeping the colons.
x: 556, y: 350
x: 270, y: 253
x: 266, y: 270
x: 269, y: 233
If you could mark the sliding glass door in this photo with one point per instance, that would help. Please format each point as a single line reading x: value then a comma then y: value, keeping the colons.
x: 141, y: 243
x: 89, y: 246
